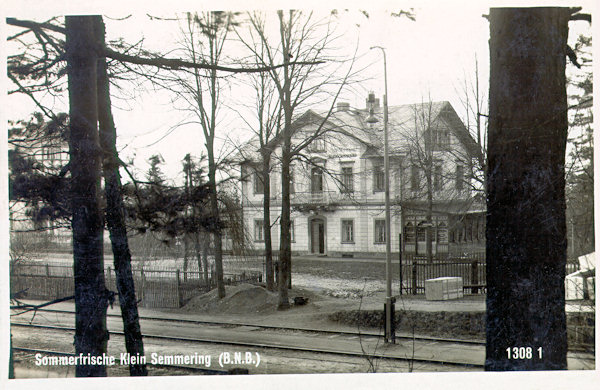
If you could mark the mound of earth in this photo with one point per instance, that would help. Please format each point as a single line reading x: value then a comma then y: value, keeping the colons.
x: 240, y: 299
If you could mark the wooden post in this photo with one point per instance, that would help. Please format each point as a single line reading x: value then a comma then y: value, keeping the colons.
x: 474, y: 277
x: 414, y: 277
x: 179, y: 303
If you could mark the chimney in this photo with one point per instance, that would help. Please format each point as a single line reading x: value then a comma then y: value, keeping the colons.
x: 343, y: 106
x: 372, y: 102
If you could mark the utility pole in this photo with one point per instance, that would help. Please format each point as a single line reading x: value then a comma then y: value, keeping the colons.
x: 389, y: 300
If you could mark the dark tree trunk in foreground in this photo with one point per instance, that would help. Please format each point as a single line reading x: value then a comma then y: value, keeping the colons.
x: 526, y: 231
x: 91, y: 297
x: 285, y: 243
x: 266, y: 178
x: 115, y: 215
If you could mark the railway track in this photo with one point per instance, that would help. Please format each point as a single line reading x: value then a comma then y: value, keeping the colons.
x: 290, y: 329
x: 278, y: 346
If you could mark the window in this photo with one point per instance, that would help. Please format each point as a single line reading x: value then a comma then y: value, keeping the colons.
x: 481, y: 229
x: 409, y: 232
x: 347, y: 180
x: 442, y: 233
x: 317, y: 145
x: 259, y: 228
x: 259, y: 187
x: 439, y: 138
x: 347, y: 230
x: 316, y: 180
x: 414, y: 178
x: 421, y: 232
x: 378, y: 178
x: 380, y: 231
x: 437, y: 178
x: 460, y: 173
x: 292, y: 189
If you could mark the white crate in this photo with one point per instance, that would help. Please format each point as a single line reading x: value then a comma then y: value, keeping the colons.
x: 443, y: 289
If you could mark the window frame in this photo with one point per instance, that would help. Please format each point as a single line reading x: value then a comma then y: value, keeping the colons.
x: 438, y: 177
x: 415, y: 175
x: 314, y: 173
x: 347, y: 180
x: 258, y: 185
x: 460, y: 177
x: 380, y: 222
x: 378, y: 176
x: 259, y: 237
x: 344, y: 223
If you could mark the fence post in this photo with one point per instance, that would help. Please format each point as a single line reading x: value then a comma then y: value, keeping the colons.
x: 474, y: 277
x: 48, y: 284
x: 143, y: 283
x: 178, y: 290
x: 414, y: 277
x: 400, y: 259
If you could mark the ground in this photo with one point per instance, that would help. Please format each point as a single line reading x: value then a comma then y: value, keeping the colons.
x: 248, y: 303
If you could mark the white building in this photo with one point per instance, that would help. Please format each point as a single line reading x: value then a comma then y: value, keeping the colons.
x: 338, y: 183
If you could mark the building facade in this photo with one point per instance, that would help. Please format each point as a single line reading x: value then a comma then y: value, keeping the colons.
x: 337, y: 184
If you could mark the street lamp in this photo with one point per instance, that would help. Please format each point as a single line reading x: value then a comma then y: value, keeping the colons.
x: 389, y: 300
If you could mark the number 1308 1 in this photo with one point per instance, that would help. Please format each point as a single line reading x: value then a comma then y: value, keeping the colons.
x: 523, y: 352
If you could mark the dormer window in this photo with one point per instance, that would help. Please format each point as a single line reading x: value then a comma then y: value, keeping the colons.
x: 317, y: 145
x: 439, y: 138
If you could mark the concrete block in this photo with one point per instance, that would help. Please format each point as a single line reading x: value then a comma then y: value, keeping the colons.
x: 574, y: 286
x: 444, y: 288
x: 591, y: 287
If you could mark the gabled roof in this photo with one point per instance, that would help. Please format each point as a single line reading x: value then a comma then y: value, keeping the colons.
x: 404, y: 122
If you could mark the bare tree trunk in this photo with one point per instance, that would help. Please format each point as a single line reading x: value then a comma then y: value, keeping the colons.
x: 185, y: 256
x: 205, y: 246
x: 285, y: 250
x: 198, y: 254
x: 285, y: 244
x: 270, y: 279
x: 429, y: 216
x: 216, y: 232
x: 115, y: 215
x: 91, y: 296
x: 526, y: 230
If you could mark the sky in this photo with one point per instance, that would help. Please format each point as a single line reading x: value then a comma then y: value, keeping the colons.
x: 432, y: 57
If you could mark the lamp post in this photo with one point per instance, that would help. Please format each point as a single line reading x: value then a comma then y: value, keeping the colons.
x: 389, y: 300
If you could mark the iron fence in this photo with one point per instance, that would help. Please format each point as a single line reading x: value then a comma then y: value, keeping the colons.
x: 470, y: 267
x: 154, y: 287
x: 416, y: 270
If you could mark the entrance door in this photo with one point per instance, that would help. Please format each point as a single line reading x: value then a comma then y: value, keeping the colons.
x: 317, y: 235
